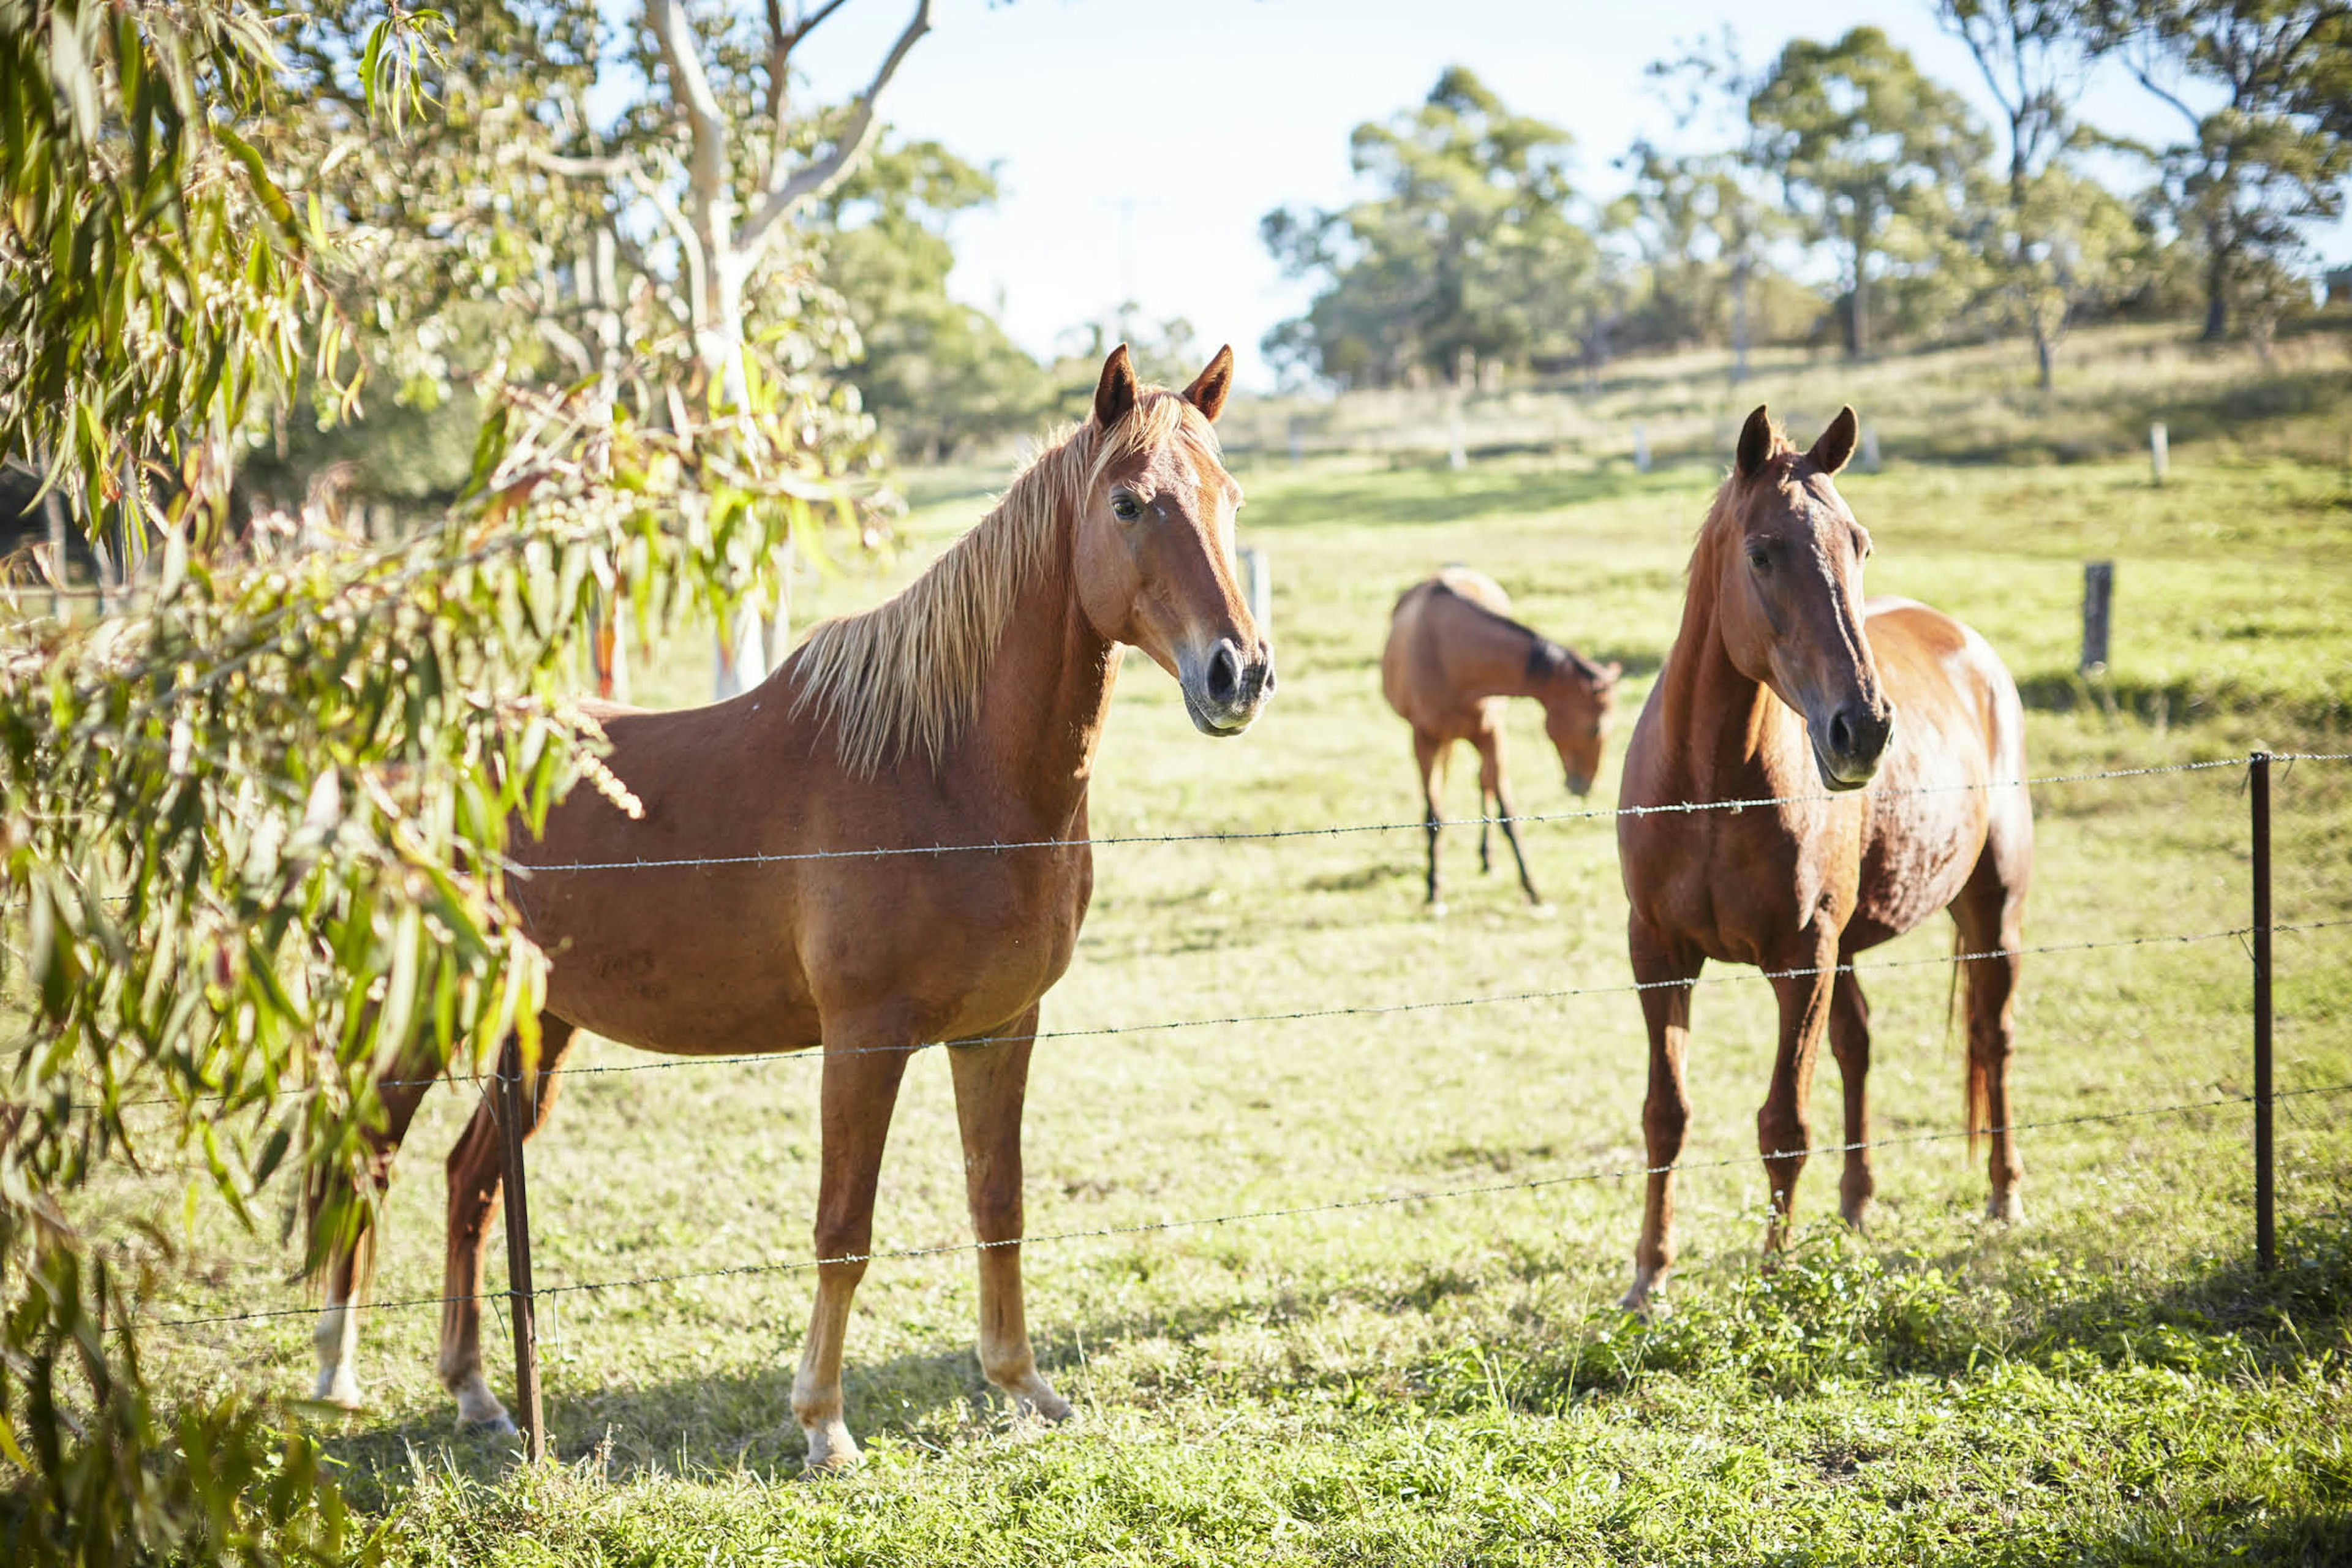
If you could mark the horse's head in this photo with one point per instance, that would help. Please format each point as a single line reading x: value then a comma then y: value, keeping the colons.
x: 1788, y: 594
x: 1579, y: 699
x: 1153, y: 553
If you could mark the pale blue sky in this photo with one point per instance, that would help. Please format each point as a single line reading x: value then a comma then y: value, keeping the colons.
x: 1206, y: 113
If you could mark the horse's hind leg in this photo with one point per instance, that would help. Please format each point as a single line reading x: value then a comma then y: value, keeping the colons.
x: 863, y: 1065
x: 351, y: 1254
x: 1989, y: 912
x: 1428, y: 754
x: 990, y: 1081
x: 1849, y: 1043
x: 476, y: 1171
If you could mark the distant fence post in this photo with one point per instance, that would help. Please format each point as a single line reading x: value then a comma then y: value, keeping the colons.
x: 2159, y: 450
x: 1869, y: 448
x: 1257, y: 584
x: 2258, y: 791
x: 509, y: 1100
x: 1641, y: 449
x: 1456, y: 455
x: 1297, y: 442
x: 2098, y: 602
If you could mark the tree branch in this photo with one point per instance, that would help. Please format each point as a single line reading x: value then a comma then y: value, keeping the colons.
x: 616, y: 166
x: 689, y: 90
x: 624, y: 166
x: 784, y: 193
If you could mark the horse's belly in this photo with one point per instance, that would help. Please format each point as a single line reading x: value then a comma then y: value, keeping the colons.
x: 708, y: 975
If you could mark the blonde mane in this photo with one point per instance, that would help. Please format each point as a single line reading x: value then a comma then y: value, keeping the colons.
x: 905, y: 676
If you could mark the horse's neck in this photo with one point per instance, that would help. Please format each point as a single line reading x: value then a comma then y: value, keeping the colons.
x: 1043, y: 703
x: 1487, y: 656
x: 1718, y: 722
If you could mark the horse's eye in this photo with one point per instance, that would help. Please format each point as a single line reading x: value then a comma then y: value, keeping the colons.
x: 1759, y: 558
x: 1125, y: 507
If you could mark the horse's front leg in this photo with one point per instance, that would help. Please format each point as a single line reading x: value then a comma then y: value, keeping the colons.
x: 1782, y: 1130
x: 1665, y: 973
x: 476, y: 1169
x: 990, y: 1081
x: 865, y: 1058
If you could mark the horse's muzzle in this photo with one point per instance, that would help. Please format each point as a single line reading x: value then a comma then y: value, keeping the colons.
x: 1223, y: 691
x: 1848, y: 749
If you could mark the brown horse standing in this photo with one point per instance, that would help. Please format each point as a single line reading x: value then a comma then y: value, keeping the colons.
x: 964, y: 711
x: 1783, y: 683
x: 1453, y: 655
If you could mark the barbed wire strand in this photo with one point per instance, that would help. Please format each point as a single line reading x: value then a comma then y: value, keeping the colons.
x: 1240, y: 835
x: 1727, y: 974
x: 1341, y: 1205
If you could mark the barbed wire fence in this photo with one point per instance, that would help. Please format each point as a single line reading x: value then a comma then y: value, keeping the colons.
x: 507, y: 1089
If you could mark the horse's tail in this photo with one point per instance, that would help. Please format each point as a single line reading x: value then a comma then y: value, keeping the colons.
x: 1975, y: 1094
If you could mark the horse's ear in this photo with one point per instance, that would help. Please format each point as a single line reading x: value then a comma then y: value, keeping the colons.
x: 1610, y: 672
x: 1755, y: 443
x: 1208, y: 390
x: 1115, y: 392
x: 1836, y: 445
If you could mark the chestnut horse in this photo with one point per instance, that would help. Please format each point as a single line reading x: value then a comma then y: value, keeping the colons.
x: 1453, y: 655
x: 1785, y: 683
x: 964, y: 711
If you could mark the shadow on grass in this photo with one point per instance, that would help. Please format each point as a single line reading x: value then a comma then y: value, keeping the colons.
x: 1837, y: 1313
x: 1443, y: 497
x: 2171, y: 703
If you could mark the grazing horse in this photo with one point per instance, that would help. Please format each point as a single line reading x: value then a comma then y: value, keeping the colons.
x: 965, y: 712
x: 1890, y: 737
x: 1453, y: 655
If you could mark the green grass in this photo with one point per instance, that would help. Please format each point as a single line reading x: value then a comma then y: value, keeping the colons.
x: 1447, y: 1379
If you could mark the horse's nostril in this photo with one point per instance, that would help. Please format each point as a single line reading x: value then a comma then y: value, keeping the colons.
x: 1842, y: 735
x: 1224, y: 674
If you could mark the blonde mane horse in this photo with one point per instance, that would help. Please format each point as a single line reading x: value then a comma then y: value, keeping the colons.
x: 966, y: 711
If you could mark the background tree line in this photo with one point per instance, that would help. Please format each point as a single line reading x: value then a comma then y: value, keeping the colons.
x: 1475, y: 246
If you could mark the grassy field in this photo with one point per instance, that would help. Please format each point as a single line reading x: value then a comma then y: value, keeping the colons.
x: 1446, y: 1379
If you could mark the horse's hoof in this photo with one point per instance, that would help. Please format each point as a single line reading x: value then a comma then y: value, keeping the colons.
x: 2005, y: 1208
x: 1538, y: 909
x: 832, y: 1451
x: 341, y: 1390
x: 499, y: 1425
x: 1437, y: 908
x: 1048, y: 1407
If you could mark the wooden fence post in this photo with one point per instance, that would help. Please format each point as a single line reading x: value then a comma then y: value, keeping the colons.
x: 512, y: 1125
x: 2098, y: 602
x: 2258, y: 791
x: 1257, y: 587
x: 2159, y: 450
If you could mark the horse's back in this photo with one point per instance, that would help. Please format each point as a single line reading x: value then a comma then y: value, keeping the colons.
x: 1413, y: 665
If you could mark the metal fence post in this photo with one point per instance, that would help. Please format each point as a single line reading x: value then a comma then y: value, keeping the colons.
x: 526, y: 1327
x: 2258, y: 790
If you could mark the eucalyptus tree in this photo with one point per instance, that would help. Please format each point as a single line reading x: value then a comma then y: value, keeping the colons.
x: 1471, y: 252
x: 1710, y: 202
x: 251, y: 829
x: 2057, y: 239
x: 2270, y: 156
x: 1869, y: 152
